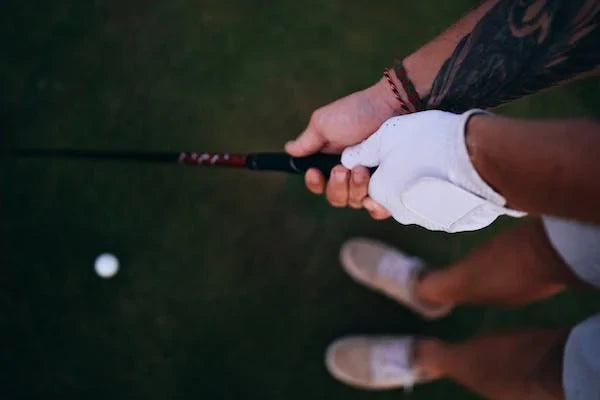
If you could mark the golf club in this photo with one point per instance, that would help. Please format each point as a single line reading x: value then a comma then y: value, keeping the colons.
x: 253, y: 161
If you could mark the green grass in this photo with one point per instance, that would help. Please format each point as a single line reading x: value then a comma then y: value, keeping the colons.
x: 230, y: 285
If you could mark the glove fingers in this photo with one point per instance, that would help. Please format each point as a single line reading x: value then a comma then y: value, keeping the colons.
x: 365, y: 153
x: 370, y: 152
x: 386, y: 193
x: 379, y: 189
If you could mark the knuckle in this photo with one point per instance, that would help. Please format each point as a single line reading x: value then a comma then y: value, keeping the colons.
x: 357, y: 196
x: 316, y: 117
x: 337, y: 199
x: 337, y: 190
x: 357, y: 191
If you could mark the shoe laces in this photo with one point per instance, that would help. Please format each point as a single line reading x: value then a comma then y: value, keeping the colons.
x: 391, y: 363
x: 399, y: 268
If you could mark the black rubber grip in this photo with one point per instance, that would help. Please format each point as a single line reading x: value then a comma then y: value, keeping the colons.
x: 286, y: 163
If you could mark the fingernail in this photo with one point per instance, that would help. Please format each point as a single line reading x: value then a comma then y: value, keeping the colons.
x: 312, y: 179
x: 339, y: 176
x: 358, y: 178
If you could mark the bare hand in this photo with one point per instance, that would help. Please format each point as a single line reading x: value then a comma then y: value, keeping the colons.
x: 340, y: 124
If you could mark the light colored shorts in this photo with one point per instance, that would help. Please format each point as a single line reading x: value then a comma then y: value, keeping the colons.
x: 579, y: 246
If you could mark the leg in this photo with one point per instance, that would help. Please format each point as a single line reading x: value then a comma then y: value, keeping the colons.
x: 524, y: 365
x: 516, y: 267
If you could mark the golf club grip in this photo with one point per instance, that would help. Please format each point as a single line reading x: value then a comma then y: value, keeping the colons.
x: 286, y: 163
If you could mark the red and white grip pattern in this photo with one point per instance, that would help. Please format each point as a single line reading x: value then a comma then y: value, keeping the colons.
x: 216, y: 159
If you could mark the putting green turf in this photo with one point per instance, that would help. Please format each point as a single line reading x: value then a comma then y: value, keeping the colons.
x: 229, y: 284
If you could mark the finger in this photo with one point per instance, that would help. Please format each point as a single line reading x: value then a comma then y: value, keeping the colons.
x: 337, y: 187
x: 308, y: 142
x: 358, y: 186
x: 315, y: 181
x: 376, y: 210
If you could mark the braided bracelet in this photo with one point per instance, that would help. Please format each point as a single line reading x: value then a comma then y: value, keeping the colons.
x: 408, y: 86
x: 386, y: 73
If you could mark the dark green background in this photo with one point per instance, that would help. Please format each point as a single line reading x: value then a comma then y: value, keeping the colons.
x: 230, y: 285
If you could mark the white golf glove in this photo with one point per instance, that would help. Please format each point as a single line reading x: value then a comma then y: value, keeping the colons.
x: 425, y: 175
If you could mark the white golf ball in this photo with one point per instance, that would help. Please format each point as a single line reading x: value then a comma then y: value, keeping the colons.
x: 106, y: 265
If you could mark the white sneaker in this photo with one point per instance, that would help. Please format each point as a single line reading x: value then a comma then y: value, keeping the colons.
x: 374, y: 363
x: 389, y: 271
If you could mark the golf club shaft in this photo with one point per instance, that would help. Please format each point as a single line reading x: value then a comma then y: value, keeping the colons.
x: 255, y: 161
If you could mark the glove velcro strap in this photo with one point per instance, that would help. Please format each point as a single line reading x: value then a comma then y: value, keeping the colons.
x: 449, y: 207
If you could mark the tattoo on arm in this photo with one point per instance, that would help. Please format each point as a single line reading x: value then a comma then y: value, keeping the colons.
x: 517, y: 48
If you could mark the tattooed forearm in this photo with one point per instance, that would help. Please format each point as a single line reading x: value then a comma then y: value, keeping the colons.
x: 519, y: 47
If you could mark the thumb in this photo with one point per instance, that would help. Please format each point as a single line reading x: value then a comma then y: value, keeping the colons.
x: 366, y: 153
x: 308, y: 142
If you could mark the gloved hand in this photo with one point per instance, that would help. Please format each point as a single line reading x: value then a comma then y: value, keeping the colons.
x: 425, y: 175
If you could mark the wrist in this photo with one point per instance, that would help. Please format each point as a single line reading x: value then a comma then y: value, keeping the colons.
x: 475, y: 130
x: 384, y: 94
x: 466, y: 171
x: 474, y: 134
x: 472, y: 127
x: 420, y: 73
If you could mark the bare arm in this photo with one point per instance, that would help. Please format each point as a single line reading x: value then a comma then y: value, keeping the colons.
x: 542, y: 167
